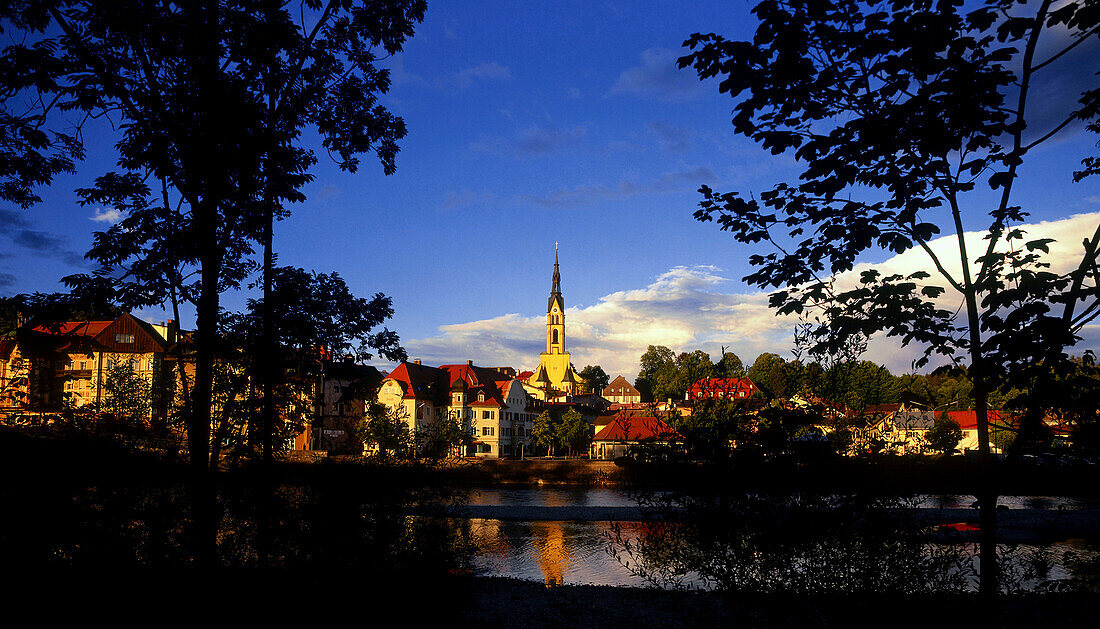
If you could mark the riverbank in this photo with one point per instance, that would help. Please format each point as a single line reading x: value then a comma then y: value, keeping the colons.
x: 514, y: 603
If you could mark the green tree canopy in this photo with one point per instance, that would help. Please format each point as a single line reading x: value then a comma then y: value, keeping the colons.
x: 573, y: 432
x: 729, y: 366
x: 595, y: 378
x: 945, y: 434
x: 545, y: 432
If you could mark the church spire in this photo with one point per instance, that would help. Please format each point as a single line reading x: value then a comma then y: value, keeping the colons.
x: 555, y: 289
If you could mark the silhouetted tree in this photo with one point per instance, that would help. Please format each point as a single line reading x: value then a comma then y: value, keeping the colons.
x: 897, y: 116
x: 945, y: 434
x: 210, y: 98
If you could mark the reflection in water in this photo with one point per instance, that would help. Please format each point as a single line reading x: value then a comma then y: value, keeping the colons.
x: 859, y: 558
x: 552, y: 551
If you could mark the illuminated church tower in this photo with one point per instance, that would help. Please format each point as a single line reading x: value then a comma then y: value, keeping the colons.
x: 554, y: 370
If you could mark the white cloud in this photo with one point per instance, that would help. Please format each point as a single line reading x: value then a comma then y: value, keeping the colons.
x: 109, y: 216
x: 697, y: 307
x: 682, y: 309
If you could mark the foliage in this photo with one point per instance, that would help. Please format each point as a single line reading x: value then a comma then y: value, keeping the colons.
x: 595, y: 378
x: 573, y: 432
x: 314, y: 311
x: 127, y: 395
x: 386, y: 430
x: 545, y: 432
x: 711, y: 426
x: 729, y: 366
x: 945, y: 434
x: 773, y: 376
x: 441, y: 439
x: 657, y: 373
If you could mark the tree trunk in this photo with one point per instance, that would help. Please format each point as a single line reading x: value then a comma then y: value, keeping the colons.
x: 203, y: 162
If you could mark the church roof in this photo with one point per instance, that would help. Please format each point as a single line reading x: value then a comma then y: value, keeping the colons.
x: 619, y: 386
x: 540, y: 376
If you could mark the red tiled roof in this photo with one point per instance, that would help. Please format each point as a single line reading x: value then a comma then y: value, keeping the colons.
x: 524, y: 375
x: 420, y: 381
x: 635, y: 428
x: 732, y: 387
x: 968, y: 420
x: 74, y: 328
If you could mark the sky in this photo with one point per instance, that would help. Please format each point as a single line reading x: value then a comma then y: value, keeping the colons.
x: 533, y: 124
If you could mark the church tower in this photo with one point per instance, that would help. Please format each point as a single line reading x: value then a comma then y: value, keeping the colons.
x: 555, y: 314
x: 555, y: 371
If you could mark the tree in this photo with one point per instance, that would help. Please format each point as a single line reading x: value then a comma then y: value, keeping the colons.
x: 769, y: 373
x: 210, y: 99
x: 573, y: 432
x: 897, y: 117
x: 690, y: 368
x: 545, y: 432
x: 595, y: 378
x: 126, y: 395
x: 657, y: 371
x: 945, y: 434
x: 729, y: 366
x: 386, y: 430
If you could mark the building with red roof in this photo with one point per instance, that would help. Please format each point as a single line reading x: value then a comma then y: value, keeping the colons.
x: 69, y: 361
x: 492, y: 407
x: 628, y: 429
x: 721, y: 388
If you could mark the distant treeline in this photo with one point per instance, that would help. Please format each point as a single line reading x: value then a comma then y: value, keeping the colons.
x: 856, y: 385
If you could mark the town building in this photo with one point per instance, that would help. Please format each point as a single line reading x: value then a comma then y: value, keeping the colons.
x: 621, y: 392
x: 721, y: 388
x: 627, y: 430
x: 50, y: 367
x: 491, y: 407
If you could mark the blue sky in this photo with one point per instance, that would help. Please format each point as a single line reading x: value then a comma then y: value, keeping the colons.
x: 532, y: 123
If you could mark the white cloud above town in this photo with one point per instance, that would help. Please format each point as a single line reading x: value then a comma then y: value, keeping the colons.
x: 109, y: 216
x: 700, y: 307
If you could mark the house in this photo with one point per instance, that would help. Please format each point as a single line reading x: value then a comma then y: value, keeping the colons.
x: 902, y: 431
x: 14, y: 378
x: 344, y: 391
x: 491, y: 407
x: 621, y: 392
x: 53, y: 366
x: 626, y: 430
x: 721, y: 388
x: 968, y: 422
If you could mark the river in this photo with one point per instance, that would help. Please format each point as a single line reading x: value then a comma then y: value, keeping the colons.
x: 574, y: 552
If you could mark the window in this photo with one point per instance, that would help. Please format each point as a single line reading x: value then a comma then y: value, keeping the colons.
x: 486, y: 415
x: 555, y: 341
x: 488, y: 431
x: 124, y: 338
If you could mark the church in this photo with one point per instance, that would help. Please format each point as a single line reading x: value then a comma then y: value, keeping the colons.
x: 554, y: 378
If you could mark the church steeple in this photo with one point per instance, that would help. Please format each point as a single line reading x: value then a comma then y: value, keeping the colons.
x: 555, y: 288
x: 555, y: 313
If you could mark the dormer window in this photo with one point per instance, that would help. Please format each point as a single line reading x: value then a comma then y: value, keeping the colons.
x: 481, y: 397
